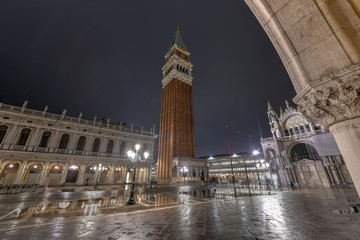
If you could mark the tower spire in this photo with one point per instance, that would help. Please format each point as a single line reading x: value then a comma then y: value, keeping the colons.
x: 176, y: 133
x: 269, y: 106
x: 177, y: 40
x: 287, y: 104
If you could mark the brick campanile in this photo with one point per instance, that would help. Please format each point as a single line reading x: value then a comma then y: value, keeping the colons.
x: 176, y: 136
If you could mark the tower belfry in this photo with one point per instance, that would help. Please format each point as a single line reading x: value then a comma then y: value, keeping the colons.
x: 176, y: 136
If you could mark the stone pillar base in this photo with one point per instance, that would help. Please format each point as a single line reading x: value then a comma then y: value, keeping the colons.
x: 347, y: 136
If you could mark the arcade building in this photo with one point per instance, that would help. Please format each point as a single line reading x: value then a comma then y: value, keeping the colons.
x: 38, y: 147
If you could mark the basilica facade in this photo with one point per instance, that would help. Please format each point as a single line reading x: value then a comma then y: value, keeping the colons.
x: 38, y: 147
x: 302, y: 153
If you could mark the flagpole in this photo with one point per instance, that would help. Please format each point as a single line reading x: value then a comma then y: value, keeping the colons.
x: 242, y: 150
x: 232, y: 169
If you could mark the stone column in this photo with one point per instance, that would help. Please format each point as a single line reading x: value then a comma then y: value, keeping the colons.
x: 328, y: 170
x: 103, y: 145
x: 44, y: 174
x: 347, y: 136
x: 148, y: 174
x: 53, y: 141
x: 81, y: 174
x: 21, y: 172
x: 64, y: 173
x: 124, y: 172
x: 88, y: 145
x: 340, y: 174
x: 10, y: 138
x: 33, y: 140
x: 324, y: 69
x: 111, y: 179
x: 116, y: 149
x: 72, y: 143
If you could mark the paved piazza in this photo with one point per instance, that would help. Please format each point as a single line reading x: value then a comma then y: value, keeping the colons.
x: 178, y: 212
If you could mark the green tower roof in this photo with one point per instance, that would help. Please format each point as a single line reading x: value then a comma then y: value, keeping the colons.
x: 177, y: 40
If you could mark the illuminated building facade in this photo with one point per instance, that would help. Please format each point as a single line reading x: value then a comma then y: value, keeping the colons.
x: 176, y: 134
x: 254, y: 165
x: 303, y: 153
x: 38, y: 147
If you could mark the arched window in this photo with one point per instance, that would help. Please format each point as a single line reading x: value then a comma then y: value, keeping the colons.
x: 45, y: 139
x: 122, y: 147
x: 81, y: 144
x: 96, y: 145
x: 64, y: 141
x: 270, y: 154
x: 3, y: 130
x: 304, y: 151
x: 24, y: 135
x: 291, y: 131
x: 302, y: 129
x: 110, y: 146
x: 194, y: 173
x: 286, y: 132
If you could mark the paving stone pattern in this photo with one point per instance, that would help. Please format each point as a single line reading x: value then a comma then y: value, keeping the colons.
x: 177, y: 214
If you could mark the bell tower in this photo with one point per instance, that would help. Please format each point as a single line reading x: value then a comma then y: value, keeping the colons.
x: 176, y: 134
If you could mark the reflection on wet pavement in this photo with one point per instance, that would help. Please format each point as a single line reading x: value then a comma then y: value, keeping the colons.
x: 117, y: 204
x: 180, y: 212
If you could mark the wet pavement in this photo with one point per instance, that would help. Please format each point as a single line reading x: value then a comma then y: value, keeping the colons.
x: 179, y: 212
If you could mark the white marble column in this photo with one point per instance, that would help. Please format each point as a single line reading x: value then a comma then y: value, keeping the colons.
x: 347, y: 137
x: 103, y: 145
x: 88, y: 145
x: 44, y: 174
x: 72, y: 143
x: 11, y: 137
x: 81, y: 174
x: 54, y: 140
x: 34, y: 139
x: 112, y: 172
x: 20, y: 173
x: 64, y: 173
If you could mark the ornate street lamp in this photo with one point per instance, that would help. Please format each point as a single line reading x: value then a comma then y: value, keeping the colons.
x: 184, y: 170
x: 100, y: 170
x: 135, y: 157
x: 255, y: 152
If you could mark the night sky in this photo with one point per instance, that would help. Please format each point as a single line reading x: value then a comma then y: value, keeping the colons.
x: 104, y: 58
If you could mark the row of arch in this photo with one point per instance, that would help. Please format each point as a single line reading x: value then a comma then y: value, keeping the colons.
x: 192, y: 173
x: 64, y: 141
x: 179, y: 68
x: 56, y: 174
x: 297, y: 152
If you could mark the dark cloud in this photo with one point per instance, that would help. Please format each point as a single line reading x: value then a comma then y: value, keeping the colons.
x: 104, y: 58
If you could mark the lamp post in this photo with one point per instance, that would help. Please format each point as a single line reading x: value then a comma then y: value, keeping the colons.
x: 100, y: 169
x: 135, y: 157
x: 255, y: 152
x: 184, y: 170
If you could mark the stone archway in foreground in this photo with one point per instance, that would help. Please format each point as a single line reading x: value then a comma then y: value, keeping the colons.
x: 319, y: 43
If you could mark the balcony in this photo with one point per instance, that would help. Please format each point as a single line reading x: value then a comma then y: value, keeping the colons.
x: 18, y: 148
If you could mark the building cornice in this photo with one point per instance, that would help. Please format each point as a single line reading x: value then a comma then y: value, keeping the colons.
x: 177, y: 75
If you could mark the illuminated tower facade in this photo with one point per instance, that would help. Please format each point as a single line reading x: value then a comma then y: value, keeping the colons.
x: 176, y: 136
